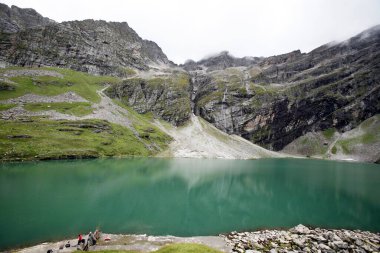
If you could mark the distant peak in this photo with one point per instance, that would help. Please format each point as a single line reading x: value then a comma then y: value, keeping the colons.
x: 216, y: 55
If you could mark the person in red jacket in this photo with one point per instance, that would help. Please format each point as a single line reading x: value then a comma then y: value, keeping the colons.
x: 80, y: 239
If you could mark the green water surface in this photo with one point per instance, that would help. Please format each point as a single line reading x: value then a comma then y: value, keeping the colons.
x: 42, y: 201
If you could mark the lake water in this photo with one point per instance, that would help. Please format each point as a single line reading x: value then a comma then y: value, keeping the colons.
x: 43, y: 201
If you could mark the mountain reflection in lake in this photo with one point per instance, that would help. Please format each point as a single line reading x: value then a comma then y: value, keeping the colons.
x: 50, y: 200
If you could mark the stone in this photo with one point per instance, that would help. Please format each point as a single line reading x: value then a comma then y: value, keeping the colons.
x: 300, y: 229
x: 306, y: 249
x: 258, y: 246
x: 323, y: 247
x: 340, y: 245
x: 359, y: 242
x: 319, y: 238
x: 359, y: 250
x: 368, y: 248
x: 300, y: 242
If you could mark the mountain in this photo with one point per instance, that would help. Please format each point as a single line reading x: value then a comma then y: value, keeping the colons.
x: 220, y: 61
x: 94, y: 46
x: 15, y: 19
x: 282, y: 97
x: 324, y: 103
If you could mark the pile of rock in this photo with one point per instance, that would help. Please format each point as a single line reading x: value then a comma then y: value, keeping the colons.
x: 303, y: 239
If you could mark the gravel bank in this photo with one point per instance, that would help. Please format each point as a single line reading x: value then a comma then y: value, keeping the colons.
x: 303, y: 239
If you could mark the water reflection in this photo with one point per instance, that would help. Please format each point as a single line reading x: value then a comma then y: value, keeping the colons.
x: 48, y: 200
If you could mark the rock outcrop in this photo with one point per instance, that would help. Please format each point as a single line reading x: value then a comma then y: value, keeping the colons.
x: 167, y: 97
x: 94, y: 46
x: 283, y: 97
x: 15, y: 19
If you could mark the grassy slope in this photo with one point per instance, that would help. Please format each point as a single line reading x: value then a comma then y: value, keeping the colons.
x: 186, y: 248
x: 81, y: 83
x: 361, y: 139
x: 359, y: 142
x: 45, y: 139
x: 4, y: 107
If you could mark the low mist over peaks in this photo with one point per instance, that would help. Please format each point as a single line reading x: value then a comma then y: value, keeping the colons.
x: 221, y: 60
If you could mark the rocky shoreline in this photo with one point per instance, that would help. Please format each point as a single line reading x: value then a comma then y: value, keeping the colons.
x: 304, y: 239
x: 297, y: 239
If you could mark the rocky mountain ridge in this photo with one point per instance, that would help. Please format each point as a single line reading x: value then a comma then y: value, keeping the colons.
x: 15, y: 19
x: 270, y: 101
x: 220, y: 61
x: 94, y: 46
x: 283, y: 97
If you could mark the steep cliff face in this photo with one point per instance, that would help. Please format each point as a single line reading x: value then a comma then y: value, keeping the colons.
x: 166, y: 96
x: 283, y: 97
x: 97, y: 47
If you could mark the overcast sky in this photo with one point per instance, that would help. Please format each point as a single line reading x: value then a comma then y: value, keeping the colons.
x: 192, y: 29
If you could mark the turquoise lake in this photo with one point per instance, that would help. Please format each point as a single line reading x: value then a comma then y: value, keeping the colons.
x: 43, y: 201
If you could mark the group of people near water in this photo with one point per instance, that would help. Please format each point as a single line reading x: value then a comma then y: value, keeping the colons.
x: 83, y: 244
x: 92, y: 238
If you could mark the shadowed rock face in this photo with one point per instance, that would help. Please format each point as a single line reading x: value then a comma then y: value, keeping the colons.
x: 97, y: 47
x: 167, y: 97
x: 283, y: 97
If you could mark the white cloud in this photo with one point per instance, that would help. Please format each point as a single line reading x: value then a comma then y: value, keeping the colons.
x: 195, y: 28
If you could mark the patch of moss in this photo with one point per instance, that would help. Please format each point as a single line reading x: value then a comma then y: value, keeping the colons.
x: 174, y: 248
x: 116, y: 251
x: 345, y: 145
x: 213, y: 96
x: 4, y: 107
x: 329, y: 133
x: 369, y: 134
x: 77, y: 109
x: 368, y: 138
x: 186, y: 248
x: 125, y: 72
x: 143, y: 123
x: 368, y: 123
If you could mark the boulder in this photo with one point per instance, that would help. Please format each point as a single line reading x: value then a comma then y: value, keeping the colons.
x: 300, y: 229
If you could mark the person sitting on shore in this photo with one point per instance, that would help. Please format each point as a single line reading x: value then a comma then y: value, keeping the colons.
x: 93, y: 238
x: 80, y: 239
x: 97, y: 235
